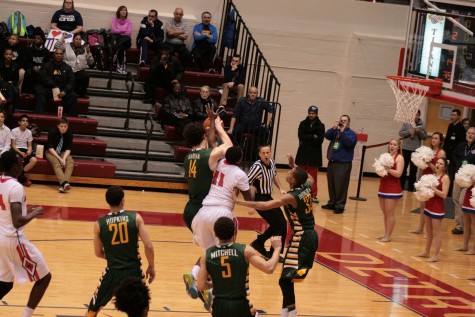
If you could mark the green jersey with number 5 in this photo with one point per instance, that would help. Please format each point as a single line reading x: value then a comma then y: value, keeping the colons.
x: 119, y: 235
x: 228, y: 268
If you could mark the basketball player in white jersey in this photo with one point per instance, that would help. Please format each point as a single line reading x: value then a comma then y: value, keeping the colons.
x: 19, y: 258
x: 218, y: 203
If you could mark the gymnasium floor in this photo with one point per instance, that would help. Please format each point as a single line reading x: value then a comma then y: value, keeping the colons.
x: 354, y: 274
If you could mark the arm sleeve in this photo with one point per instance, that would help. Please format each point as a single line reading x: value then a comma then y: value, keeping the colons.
x: 254, y: 173
x: 79, y: 21
x: 303, y: 135
x: 197, y: 28
x: 50, y: 142
x: 348, y: 138
x: 214, y: 33
x: 114, y: 27
x: 55, y: 18
x: 45, y: 79
x: 16, y: 194
x: 242, y: 76
x: 404, y: 132
x: 228, y: 74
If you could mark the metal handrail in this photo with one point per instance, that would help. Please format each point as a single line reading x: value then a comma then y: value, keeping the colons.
x: 258, y: 71
x: 130, y: 90
x: 148, y: 117
x: 109, y: 47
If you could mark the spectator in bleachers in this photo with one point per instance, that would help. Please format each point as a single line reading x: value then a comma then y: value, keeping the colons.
x: 150, y: 35
x: 58, y: 153
x: 165, y: 71
x: 205, y: 36
x: 7, y: 96
x: 234, y: 77
x: 56, y: 74
x: 5, y: 134
x: 177, y: 109
x: 466, y: 123
x: 18, y: 57
x: 176, y: 35
x: 67, y: 19
x: 77, y: 56
x: 248, y: 118
x: 199, y: 106
x: 22, y: 143
x: 36, y: 55
x: 9, y: 73
x: 121, y: 41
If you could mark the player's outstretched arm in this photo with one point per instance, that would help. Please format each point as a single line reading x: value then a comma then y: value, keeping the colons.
x: 212, y: 126
x: 258, y: 262
x: 219, y: 152
x: 149, y: 252
x: 283, y: 200
x: 202, y: 282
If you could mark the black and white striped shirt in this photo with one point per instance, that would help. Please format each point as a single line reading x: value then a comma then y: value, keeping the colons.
x: 262, y: 176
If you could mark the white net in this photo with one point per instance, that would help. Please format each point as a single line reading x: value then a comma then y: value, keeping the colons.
x: 409, y: 97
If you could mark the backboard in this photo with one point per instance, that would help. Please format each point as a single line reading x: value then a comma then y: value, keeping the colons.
x: 440, y: 44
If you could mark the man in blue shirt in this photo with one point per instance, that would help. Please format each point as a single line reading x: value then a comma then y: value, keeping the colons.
x: 205, y: 37
x: 340, y: 156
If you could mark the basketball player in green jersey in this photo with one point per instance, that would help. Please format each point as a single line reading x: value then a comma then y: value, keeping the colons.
x: 197, y: 162
x: 228, y: 266
x: 116, y: 239
x: 304, y: 242
x: 199, y: 174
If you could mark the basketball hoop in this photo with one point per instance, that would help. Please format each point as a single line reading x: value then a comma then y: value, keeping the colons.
x: 410, y: 93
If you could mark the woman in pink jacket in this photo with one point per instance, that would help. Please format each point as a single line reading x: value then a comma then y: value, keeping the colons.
x: 121, y: 41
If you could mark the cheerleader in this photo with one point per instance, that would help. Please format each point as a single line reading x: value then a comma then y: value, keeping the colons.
x: 436, y: 146
x: 390, y: 190
x: 468, y: 219
x: 434, y: 211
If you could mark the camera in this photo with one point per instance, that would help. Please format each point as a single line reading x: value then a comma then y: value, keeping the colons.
x: 340, y: 123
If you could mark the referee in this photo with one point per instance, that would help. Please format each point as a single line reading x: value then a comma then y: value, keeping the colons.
x: 263, y: 176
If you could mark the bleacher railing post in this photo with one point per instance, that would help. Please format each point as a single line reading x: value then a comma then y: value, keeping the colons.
x: 357, y: 197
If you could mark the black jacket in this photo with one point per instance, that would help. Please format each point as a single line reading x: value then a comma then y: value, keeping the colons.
x: 174, y: 68
x: 155, y: 32
x: 66, y: 76
x: 237, y: 77
x: 310, y: 147
x: 9, y: 74
x: 455, y: 135
x: 36, y: 57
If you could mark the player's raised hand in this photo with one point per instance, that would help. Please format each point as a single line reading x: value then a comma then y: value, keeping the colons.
x: 209, y: 111
x: 291, y: 159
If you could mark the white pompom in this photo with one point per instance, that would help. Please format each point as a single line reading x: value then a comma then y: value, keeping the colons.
x: 383, y: 163
x: 422, y: 156
x: 465, y: 176
x: 424, y: 186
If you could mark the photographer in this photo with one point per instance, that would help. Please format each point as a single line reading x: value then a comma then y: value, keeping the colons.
x: 340, y: 155
x: 165, y: 71
x: 412, y: 137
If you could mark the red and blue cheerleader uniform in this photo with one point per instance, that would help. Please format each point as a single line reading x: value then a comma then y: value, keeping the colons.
x: 389, y: 185
x: 467, y: 207
x: 429, y: 170
x: 435, y: 207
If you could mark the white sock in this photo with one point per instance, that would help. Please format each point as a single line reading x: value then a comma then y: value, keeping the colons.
x: 195, y: 271
x: 293, y: 313
x: 27, y: 312
x: 284, y: 312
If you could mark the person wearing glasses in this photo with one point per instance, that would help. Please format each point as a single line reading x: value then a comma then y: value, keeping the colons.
x: 150, y: 35
x: 199, y: 105
x: 67, y: 19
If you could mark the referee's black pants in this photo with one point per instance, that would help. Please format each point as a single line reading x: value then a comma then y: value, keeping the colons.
x: 276, y: 220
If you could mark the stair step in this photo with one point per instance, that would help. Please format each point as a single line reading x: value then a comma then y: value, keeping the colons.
x: 153, y: 166
x: 131, y: 133
x: 114, y: 93
x: 116, y: 84
x: 113, y: 122
x: 114, y: 102
x: 139, y: 155
x: 162, y: 177
x: 134, y: 144
x: 118, y: 113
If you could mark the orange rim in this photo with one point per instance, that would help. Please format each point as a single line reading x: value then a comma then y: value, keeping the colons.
x: 435, y: 85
